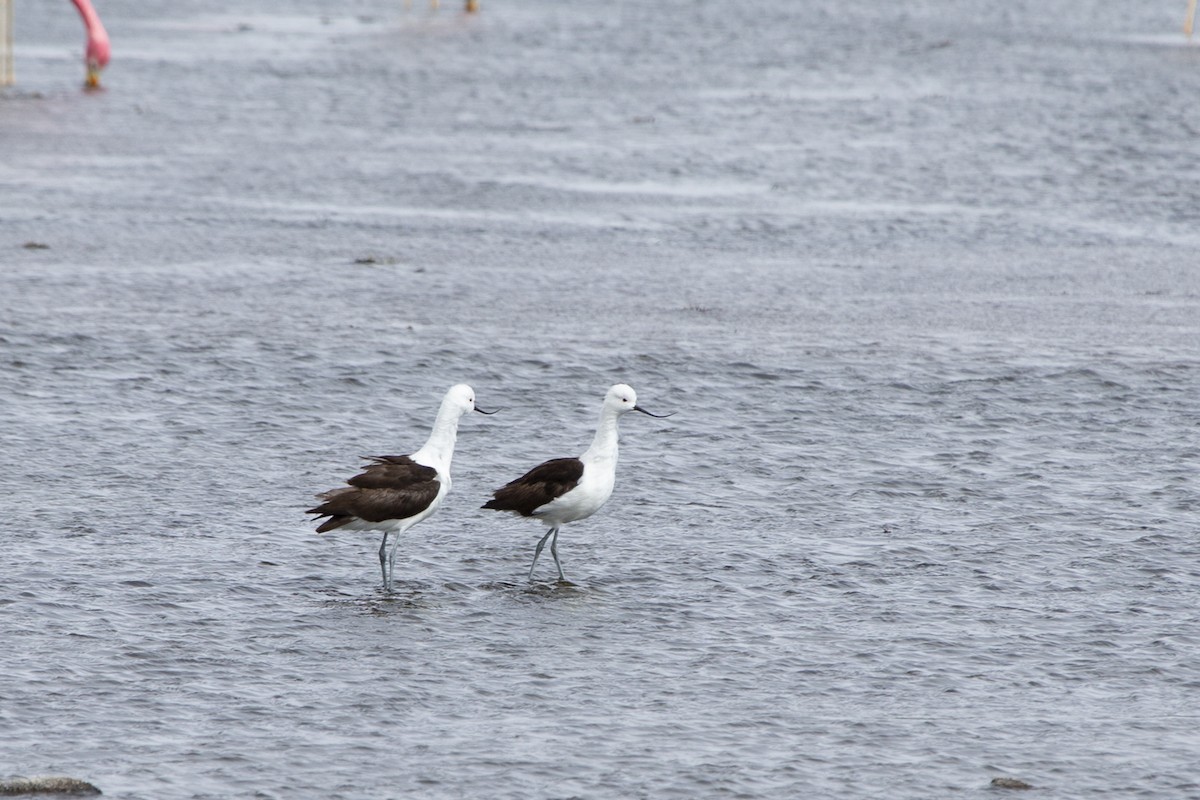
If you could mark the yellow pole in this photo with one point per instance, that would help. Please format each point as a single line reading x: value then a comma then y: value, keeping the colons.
x: 1191, y: 16
x: 6, y: 43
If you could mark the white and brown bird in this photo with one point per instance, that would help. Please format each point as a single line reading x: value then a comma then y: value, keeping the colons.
x: 564, y: 490
x: 393, y: 493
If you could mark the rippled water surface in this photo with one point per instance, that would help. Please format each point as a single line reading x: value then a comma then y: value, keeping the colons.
x: 918, y: 279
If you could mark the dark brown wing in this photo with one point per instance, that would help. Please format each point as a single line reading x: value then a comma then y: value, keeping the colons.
x: 395, y: 460
x: 537, y: 487
x: 394, y: 487
x: 392, y: 472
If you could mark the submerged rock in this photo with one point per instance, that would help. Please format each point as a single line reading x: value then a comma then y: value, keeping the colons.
x: 1010, y: 783
x: 50, y: 784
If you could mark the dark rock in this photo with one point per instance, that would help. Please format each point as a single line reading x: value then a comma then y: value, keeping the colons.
x: 50, y: 784
x: 1010, y: 783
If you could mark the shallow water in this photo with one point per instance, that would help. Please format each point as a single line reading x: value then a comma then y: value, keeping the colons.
x: 919, y: 282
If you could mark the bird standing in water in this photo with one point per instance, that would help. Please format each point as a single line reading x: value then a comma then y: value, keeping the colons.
x: 564, y: 490
x: 393, y: 493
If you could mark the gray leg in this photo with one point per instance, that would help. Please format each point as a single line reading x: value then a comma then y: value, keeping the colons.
x: 554, y: 552
x: 392, y: 561
x: 382, y: 561
x: 538, y: 551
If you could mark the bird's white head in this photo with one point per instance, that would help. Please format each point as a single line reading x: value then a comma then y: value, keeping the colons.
x: 461, y: 398
x: 621, y: 398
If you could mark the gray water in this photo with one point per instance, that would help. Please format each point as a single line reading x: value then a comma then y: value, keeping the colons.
x: 918, y: 279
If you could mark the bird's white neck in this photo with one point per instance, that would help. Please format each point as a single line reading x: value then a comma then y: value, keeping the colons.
x: 604, y: 444
x: 438, y: 451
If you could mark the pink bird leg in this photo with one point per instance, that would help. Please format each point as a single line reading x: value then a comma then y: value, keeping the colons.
x: 98, y: 49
